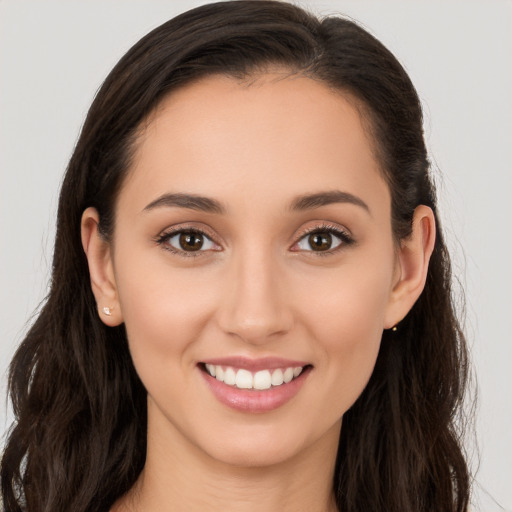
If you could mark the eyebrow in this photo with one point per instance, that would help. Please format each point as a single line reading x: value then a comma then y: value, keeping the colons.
x: 189, y: 201
x: 209, y: 205
x: 311, y: 201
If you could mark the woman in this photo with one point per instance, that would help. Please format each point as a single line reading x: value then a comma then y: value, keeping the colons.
x: 250, y: 304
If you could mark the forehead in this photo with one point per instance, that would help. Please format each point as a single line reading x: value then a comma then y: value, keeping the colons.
x: 275, y: 133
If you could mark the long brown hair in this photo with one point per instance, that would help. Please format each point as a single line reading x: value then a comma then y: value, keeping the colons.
x: 79, y: 439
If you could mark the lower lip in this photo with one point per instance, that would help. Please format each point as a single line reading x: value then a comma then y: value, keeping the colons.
x: 255, y: 401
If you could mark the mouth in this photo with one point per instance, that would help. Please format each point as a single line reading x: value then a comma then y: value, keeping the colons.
x: 254, y: 387
x: 261, y: 380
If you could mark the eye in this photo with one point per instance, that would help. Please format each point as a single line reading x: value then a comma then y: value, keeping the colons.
x: 187, y: 241
x: 319, y: 241
x: 322, y: 240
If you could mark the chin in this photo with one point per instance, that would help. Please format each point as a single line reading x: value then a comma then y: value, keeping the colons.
x: 247, y: 454
x: 269, y: 445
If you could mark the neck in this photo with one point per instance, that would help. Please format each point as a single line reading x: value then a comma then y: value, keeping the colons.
x: 177, y: 473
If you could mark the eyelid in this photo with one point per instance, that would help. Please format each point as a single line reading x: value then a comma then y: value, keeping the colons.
x: 325, y: 227
x: 335, y: 229
x: 168, y: 233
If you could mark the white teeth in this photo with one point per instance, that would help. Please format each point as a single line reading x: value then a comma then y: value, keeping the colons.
x: 230, y: 376
x: 277, y: 378
x: 288, y: 375
x: 261, y: 380
x: 243, y: 379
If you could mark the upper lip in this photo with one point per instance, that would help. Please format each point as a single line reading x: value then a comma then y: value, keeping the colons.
x: 264, y: 363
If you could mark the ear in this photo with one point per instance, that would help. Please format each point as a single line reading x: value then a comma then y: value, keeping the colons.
x: 101, y: 269
x: 412, y: 266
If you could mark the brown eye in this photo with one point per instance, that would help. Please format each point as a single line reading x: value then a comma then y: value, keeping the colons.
x: 320, y: 241
x: 323, y: 240
x: 190, y: 241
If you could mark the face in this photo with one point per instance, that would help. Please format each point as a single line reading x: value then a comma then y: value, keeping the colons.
x: 253, y: 242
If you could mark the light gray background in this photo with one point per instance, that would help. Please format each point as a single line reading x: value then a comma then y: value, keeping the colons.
x: 55, y: 54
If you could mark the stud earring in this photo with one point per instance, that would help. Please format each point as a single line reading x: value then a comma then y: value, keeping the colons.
x: 107, y: 311
x: 394, y: 328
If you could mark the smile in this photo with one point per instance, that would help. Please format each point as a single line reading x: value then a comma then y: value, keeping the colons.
x: 260, y: 380
x: 254, y: 385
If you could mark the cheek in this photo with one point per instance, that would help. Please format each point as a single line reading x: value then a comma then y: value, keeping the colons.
x: 164, y: 310
x: 349, y: 304
x: 347, y: 321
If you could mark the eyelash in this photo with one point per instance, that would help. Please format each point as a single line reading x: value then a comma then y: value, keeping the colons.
x: 344, y: 236
x: 163, y: 238
x: 346, y: 240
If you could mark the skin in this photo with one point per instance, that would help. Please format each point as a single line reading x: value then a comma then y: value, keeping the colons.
x: 258, y: 290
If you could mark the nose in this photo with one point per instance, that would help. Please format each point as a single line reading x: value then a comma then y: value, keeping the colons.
x: 255, y: 306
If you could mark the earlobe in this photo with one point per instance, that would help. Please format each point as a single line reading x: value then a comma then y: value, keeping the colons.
x: 101, y: 269
x: 413, y: 261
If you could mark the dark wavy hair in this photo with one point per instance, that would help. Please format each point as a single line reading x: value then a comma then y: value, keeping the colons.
x: 79, y: 439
